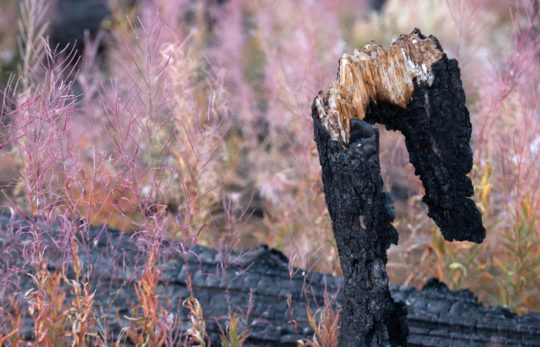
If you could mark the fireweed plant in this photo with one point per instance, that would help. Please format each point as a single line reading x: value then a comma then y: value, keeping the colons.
x: 194, y: 125
x: 277, y: 61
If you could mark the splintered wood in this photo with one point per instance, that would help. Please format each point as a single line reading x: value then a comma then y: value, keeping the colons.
x: 373, y: 74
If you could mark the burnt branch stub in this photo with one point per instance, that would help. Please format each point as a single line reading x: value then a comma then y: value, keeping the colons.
x: 414, y: 88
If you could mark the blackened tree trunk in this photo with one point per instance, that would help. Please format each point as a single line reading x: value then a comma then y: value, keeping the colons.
x: 361, y: 215
x: 414, y: 88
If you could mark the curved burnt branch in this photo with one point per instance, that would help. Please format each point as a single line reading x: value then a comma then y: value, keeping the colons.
x: 414, y: 88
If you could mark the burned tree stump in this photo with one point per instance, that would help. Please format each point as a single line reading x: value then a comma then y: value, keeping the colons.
x: 414, y: 88
x: 361, y: 215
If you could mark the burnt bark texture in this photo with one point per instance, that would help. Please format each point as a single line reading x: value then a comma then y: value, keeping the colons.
x: 361, y: 213
x: 414, y: 88
x: 437, y: 133
x: 436, y: 316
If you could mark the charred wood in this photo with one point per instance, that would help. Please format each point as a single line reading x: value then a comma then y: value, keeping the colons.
x: 414, y: 88
x: 361, y: 215
x: 436, y: 316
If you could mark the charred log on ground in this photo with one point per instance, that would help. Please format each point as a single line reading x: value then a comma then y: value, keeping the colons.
x: 436, y: 316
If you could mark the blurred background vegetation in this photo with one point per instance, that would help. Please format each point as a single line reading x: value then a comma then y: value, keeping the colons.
x: 200, y: 111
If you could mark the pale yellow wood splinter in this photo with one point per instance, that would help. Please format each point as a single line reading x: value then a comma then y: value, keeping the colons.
x: 372, y: 74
